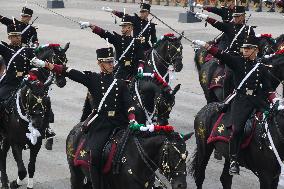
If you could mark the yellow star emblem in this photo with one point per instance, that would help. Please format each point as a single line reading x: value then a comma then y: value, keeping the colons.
x: 221, y: 128
x: 201, y: 131
x: 203, y: 78
x: 281, y: 47
x: 83, y: 153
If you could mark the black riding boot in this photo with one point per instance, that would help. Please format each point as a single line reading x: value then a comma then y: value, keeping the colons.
x: 234, y: 151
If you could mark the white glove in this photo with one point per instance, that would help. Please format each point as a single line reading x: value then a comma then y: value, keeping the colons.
x: 199, y: 43
x: 133, y: 121
x: 257, y: 35
x: 107, y: 9
x: 37, y: 62
x: 84, y: 25
x: 201, y: 16
x: 140, y: 70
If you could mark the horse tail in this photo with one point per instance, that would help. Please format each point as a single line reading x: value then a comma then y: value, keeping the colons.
x: 72, y: 141
x: 196, y: 59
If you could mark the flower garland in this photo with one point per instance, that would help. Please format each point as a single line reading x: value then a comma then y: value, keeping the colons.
x: 279, y: 52
x: 152, y: 128
x: 46, y: 45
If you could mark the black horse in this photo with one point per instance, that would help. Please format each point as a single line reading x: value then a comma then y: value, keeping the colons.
x: 215, y: 79
x: 28, y: 110
x: 143, y: 154
x: 165, y: 53
x: 255, y: 156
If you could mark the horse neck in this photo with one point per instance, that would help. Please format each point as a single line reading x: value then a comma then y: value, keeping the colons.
x: 160, y: 56
x: 153, y: 146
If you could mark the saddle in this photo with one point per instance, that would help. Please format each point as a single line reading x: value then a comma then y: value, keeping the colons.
x: 222, y: 129
x: 82, y: 155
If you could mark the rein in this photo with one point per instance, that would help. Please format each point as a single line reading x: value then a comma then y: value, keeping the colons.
x: 165, y: 168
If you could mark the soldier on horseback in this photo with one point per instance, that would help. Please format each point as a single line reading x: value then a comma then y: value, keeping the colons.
x: 28, y: 32
x: 139, y: 23
x: 129, y: 52
x: 236, y: 31
x: 113, y: 105
x: 252, y: 93
x: 17, y: 59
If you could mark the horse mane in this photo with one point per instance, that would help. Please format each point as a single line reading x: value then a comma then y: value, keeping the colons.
x: 280, y: 39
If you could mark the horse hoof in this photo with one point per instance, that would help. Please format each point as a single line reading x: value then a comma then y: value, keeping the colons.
x: 29, y: 188
x: 14, y: 185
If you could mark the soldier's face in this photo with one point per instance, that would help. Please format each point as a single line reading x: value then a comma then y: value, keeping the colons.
x: 15, y: 39
x: 239, y: 19
x: 250, y: 53
x: 144, y: 14
x: 126, y: 29
x: 107, y: 67
x: 26, y: 19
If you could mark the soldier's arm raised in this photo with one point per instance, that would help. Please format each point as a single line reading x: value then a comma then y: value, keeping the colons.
x: 72, y: 74
x: 224, y: 57
x: 104, y: 34
x: 224, y: 27
x: 117, y: 13
x: 6, y: 21
x: 214, y: 10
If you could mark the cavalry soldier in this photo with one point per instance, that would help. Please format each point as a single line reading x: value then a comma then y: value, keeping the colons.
x: 226, y: 12
x: 252, y: 94
x: 139, y: 23
x: 111, y: 113
x: 17, y: 61
x: 129, y: 53
x: 236, y: 31
x: 28, y: 32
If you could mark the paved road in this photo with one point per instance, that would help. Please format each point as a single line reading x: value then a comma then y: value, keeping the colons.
x: 52, y: 171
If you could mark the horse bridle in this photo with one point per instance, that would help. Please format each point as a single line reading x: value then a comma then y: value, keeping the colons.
x: 166, y: 168
x: 168, y: 105
x: 171, y: 58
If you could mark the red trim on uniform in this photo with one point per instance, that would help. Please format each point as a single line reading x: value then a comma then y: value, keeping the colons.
x: 117, y: 13
x: 211, y: 20
x: 213, y: 50
x: 209, y: 9
x: 97, y: 30
x: 58, y: 69
x: 271, y: 96
x: 141, y: 65
x: 131, y: 116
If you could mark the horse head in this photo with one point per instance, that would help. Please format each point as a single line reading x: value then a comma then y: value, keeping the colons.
x: 35, y: 101
x: 267, y: 45
x: 165, y: 104
x: 169, y: 51
x: 53, y: 53
x: 173, y: 159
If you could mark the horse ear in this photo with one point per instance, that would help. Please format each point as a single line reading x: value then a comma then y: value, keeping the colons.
x: 182, y: 34
x: 187, y: 136
x: 66, y: 47
x: 176, y: 89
